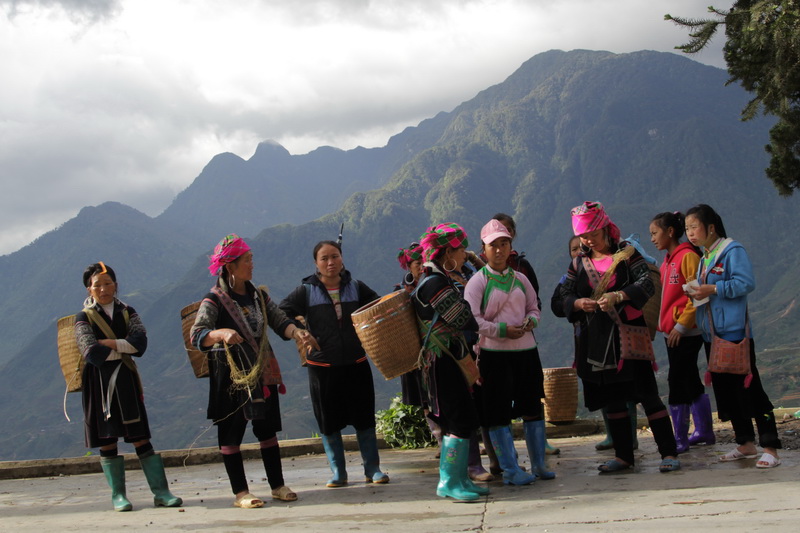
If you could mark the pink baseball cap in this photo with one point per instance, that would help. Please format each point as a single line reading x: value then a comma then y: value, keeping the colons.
x: 493, y: 230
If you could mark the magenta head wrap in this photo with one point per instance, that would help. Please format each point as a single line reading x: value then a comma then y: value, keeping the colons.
x: 228, y: 250
x: 590, y: 216
x: 406, y: 256
x: 437, y: 238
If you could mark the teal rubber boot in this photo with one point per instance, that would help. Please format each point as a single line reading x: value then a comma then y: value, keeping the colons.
x: 607, y: 443
x: 153, y: 468
x: 453, y: 476
x: 535, y: 438
x: 114, y: 469
x: 550, y: 449
x: 368, y: 445
x: 503, y: 444
x: 334, y: 449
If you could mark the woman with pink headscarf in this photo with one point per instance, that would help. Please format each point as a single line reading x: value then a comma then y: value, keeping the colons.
x: 603, y: 293
x: 448, y: 369
x: 244, y: 377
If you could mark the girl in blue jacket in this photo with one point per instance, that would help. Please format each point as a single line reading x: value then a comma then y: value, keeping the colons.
x: 726, y: 278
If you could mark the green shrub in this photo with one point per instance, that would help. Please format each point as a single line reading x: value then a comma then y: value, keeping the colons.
x: 404, y: 426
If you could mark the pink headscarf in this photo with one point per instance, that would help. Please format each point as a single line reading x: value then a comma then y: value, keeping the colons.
x: 409, y: 255
x: 590, y: 216
x: 228, y: 250
x: 437, y: 238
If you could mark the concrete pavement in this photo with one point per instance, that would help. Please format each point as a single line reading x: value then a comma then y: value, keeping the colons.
x: 705, y: 495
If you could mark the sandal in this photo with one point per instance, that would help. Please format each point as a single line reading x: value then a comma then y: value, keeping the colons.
x: 612, y: 466
x: 736, y: 455
x: 284, y: 494
x: 248, y: 501
x: 768, y: 461
x: 669, y: 465
x: 478, y: 473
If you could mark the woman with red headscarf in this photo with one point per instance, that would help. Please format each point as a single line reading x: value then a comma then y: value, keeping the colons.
x: 244, y: 377
x: 605, y: 288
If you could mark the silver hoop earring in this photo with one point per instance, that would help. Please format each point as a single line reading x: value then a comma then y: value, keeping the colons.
x: 233, y: 280
x: 444, y: 266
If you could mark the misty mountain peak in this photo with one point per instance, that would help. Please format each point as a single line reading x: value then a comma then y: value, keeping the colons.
x: 270, y: 149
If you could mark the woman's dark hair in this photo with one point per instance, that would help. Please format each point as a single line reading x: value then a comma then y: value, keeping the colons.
x: 506, y: 219
x: 320, y: 244
x: 675, y: 220
x: 569, y: 243
x: 97, y: 268
x: 707, y: 216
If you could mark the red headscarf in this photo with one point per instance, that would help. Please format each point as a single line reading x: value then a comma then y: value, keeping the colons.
x: 228, y: 250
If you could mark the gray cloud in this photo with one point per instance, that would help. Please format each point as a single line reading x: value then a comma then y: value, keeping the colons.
x: 76, y: 10
x: 114, y: 115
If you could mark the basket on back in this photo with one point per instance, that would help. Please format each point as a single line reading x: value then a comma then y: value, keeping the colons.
x: 69, y: 356
x: 652, y: 308
x: 389, y: 334
x: 197, y: 358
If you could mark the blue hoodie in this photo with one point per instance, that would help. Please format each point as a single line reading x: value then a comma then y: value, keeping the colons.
x: 732, y: 273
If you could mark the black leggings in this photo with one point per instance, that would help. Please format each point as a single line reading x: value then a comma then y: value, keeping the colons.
x: 684, y: 381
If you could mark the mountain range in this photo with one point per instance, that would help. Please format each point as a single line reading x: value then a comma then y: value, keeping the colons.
x: 643, y: 132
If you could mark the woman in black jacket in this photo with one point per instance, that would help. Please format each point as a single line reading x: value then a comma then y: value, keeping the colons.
x: 339, y: 374
x: 604, y: 291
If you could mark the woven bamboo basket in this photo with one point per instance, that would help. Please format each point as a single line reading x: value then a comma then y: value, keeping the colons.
x: 652, y: 308
x: 560, y: 394
x: 197, y: 358
x: 388, y: 332
x: 68, y: 354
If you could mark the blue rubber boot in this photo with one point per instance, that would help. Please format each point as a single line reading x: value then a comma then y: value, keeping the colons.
x: 680, y: 424
x: 114, y: 469
x: 153, y: 468
x: 535, y: 438
x: 334, y: 449
x: 453, y: 476
x: 503, y: 444
x: 368, y: 445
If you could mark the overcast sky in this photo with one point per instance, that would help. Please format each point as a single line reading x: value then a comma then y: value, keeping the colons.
x: 127, y: 100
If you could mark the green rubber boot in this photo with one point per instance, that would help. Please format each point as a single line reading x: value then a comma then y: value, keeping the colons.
x: 453, y: 470
x: 153, y: 468
x: 114, y: 469
x: 607, y: 443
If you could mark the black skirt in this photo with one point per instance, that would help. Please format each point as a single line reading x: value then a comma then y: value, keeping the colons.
x: 128, y: 419
x: 513, y: 385
x: 411, y: 387
x: 641, y: 389
x: 342, y: 396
